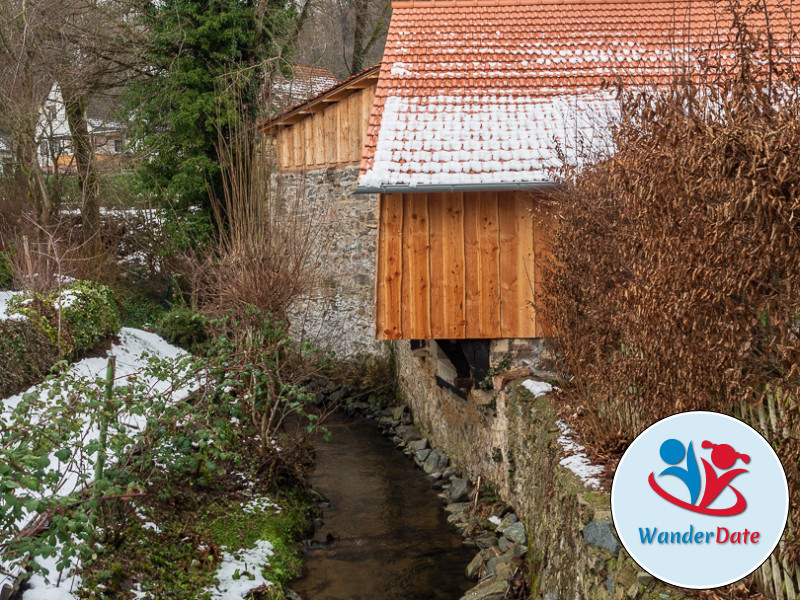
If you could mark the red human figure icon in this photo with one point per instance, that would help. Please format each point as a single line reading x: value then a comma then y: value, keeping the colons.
x: 724, y: 457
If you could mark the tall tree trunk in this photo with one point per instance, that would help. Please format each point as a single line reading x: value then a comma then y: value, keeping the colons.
x: 75, y: 106
x: 359, y: 50
x: 28, y: 175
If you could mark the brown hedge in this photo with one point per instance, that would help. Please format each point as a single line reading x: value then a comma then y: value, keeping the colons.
x: 675, y: 283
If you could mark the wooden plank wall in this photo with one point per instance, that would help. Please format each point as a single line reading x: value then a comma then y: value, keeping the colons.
x: 333, y: 135
x: 458, y: 266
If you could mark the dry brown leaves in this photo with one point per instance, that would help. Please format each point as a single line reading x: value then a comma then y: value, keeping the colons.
x: 675, y: 280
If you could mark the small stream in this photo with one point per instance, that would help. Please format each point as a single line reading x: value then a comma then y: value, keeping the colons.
x: 385, y: 534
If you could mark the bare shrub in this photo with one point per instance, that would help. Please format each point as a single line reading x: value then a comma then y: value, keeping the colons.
x: 268, y: 243
x: 675, y: 283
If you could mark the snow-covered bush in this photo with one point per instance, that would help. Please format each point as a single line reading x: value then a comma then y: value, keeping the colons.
x: 75, y: 318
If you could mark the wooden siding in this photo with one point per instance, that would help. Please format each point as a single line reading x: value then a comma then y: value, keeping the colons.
x: 458, y: 266
x: 330, y: 134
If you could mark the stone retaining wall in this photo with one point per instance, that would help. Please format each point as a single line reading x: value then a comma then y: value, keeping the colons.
x: 339, y: 314
x: 510, y: 440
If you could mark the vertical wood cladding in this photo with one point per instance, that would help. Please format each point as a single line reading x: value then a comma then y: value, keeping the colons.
x: 458, y: 266
x: 330, y: 134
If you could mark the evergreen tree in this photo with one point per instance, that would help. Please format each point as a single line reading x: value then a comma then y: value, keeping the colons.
x: 206, y: 62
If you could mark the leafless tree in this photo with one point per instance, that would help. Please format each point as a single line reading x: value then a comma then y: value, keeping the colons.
x: 345, y: 36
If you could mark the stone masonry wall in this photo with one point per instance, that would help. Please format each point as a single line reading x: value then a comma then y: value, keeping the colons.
x: 339, y: 313
x: 510, y: 439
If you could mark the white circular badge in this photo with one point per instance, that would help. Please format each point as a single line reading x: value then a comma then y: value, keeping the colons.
x: 699, y: 500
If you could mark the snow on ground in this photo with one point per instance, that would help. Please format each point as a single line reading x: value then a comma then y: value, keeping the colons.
x: 240, y: 573
x: 260, y: 504
x: 235, y: 571
x: 43, y: 588
x: 537, y: 388
x: 130, y: 353
x: 5, y: 297
x: 576, y: 459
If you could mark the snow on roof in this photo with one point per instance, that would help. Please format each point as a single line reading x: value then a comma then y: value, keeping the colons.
x: 306, y: 83
x: 488, y: 91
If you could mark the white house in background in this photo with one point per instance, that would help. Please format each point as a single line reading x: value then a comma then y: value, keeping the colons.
x: 56, y: 151
x: 6, y: 154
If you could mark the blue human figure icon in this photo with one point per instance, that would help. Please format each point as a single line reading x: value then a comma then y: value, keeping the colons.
x: 672, y: 453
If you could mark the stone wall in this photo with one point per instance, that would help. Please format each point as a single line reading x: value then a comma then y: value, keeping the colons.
x: 339, y: 313
x: 510, y: 439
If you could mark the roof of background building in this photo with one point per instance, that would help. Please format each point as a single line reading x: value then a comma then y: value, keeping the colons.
x: 305, y: 83
x: 332, y: 93
x: 490, y: 92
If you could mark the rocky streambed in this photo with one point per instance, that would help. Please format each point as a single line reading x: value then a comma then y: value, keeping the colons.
x: 384, y: 532
x: 499, y: 538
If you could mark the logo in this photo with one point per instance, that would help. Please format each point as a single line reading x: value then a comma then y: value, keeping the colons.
x: 699, y: 500
x: 723, y: 457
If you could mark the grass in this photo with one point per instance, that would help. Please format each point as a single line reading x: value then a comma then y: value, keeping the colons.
x: 195, y: 527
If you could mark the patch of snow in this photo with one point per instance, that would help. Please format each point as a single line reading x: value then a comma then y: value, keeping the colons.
x: 241, y: 573
x: 132, y: 353
x: 538, y: 388
x: 53, y: 585
x: 138, y: 592
x: 5, y: 298
x: 577, y: 461
x: 495, y: 520
x: 66, y: 299
x: 260, y: 504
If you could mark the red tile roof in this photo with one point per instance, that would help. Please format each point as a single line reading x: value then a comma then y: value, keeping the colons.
x: 484, y: 91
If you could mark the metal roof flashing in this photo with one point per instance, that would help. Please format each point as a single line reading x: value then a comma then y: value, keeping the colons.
x: 428, y: 189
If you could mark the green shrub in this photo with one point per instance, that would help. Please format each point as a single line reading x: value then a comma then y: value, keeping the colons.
x: 62, y: 324
x: 74, y: 318
x: 185, y: 328
x: 91, y: 313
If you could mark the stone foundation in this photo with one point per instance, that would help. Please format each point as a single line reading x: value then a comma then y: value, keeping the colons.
x: 509, y: 440
x: 339, y: 314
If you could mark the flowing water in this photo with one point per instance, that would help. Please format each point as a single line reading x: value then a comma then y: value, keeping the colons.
x: 384, y: 535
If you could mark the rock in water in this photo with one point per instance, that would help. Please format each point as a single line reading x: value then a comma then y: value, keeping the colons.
x: 507, y: 522
x: 459, y: 489
x: 474, y: 568
x: 436, y: 461
x: 418, y: 445
x: 409, y: 433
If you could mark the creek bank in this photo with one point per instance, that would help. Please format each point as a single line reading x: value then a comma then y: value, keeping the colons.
x: 494, y: 532
x: 513, y: 440
x: 382, y: 532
